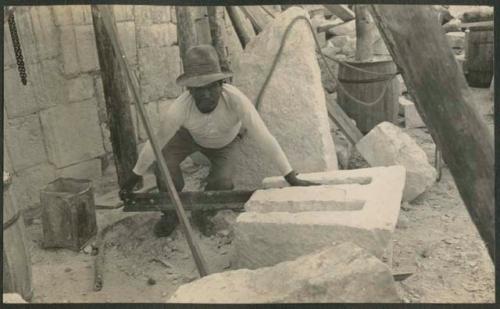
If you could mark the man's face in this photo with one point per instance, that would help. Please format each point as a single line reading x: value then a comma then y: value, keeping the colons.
x: 206, y: 97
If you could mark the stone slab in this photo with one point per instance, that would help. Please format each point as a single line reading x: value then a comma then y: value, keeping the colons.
x: 72, y: 133
x: 46, y: 34
x: 26, y: 33
x: 19, y: 99
x: 412, y: 118
x: 343, y: 273
x: 348, y: 28
x: 26, y: 185
x: 280, y: 230
x: 126, y: 34
x: 123, y: 12
x: 90, y: 170
x: 25, y: 142
x: 86, y: 48
x: 63, y: 15
x: 80, y: 88
x: 387, y: 144
x: 157, y: 35
x: 159, y: 67
x: 48, y: 78
x: 110, y: 200
x: 297, y: 117
x: 82, y: 14
x: 69, y: 50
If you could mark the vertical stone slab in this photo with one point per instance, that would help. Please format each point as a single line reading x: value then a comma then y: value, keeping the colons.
x: 292, y: 106
x: 123, y: 12
x: 25, y: 142
x: 81, y: 14
x: 45, y: 32
x: 48, y: 82
x: 126, y: 34
x: 26, y: 35
x: 69, y: 53
x: 80, y: 88
x: 157, y: 35
x: 62, y: 15
x: 72, y: 133
x: 86, y: 48
x: 19, y: 99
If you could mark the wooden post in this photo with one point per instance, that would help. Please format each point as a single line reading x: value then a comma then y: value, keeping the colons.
x: 199, y: 15
x: 341, y: 11
x: 241, y: 24
x: 216, y: 28
x: 123, y: 139
x: 420, y: 49
x: 186, y: 33
x: 365, y: 33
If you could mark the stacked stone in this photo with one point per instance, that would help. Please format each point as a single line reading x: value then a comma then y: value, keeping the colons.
x: 52, y: 125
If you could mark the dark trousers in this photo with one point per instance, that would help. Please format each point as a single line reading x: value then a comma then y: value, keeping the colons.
x: 183, y: 145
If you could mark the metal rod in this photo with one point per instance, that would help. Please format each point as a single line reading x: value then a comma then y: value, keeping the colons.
x: 106, y: 12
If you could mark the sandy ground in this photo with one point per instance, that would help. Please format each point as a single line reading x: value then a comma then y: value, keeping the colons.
x: 435, y: 237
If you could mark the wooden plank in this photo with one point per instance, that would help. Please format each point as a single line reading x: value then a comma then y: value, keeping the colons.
x: 216, y: 27
x: 480, y: 25
x: 340, y: 118
x: 257, y: 16
x: 119, y: 117
x: 186, y: 31
x: 444, y: 101
x: 102, y: 14
x: 241, y: 24
x: 341, y: 11
x: 365, y: 33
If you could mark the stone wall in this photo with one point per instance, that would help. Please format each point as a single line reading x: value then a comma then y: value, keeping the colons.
x: 56, y: 125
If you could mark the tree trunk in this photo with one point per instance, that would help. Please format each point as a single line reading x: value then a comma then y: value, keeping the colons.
x: 123, y: 139
x: 241, y: 24
x: 443, y: 99
x: 186, y: 33
x: 365, y: 34
x: 216, y: 28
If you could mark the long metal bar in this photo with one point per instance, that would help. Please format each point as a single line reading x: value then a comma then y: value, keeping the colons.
x: 106, y: 14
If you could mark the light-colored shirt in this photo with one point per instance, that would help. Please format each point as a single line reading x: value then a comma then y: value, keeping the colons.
x: 215, y: 129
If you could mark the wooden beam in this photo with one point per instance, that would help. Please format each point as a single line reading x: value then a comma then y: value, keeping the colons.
x: 345, y: 124
x: 365, y: 33
x: 242, y: 25
x: 216, y: 27
x: 200, y: 18
x: 257, y: 16
x: 341, y: 11
x: 119, y: 119
x: 480, y: 25
x: 186, y: 31
x: 443, y: 100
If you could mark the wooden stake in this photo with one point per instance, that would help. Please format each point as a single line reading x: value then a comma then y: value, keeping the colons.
x: 119, y: 119
x: 186, y: 32
x: 420, y: 49
x: 365, y: 33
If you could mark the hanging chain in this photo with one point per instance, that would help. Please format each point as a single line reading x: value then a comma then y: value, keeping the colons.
x: 17, y: 48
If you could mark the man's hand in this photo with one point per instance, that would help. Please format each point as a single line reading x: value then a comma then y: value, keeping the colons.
x: 129, y: 185
x: 292, y: 179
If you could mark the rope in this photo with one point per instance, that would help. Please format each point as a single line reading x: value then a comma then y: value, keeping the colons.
x: 12, y: 220
x: 330, y: 73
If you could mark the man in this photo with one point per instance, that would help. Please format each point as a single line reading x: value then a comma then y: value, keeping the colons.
x: 208, y: 118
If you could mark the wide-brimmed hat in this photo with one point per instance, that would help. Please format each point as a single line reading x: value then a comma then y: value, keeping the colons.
x: 202, y: 67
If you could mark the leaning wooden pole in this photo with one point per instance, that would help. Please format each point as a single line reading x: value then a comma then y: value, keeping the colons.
x: 365, y: 33
x: 216, y: 28
x: 102, y: 16
x: 118, y: 102
x: 419, y: 47
x: 243, y: 28
x: 186, y: 30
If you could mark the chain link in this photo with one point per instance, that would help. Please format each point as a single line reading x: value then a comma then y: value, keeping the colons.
x: 17, y: 48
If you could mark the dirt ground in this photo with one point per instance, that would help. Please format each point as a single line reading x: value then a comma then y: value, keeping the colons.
x: 435, y: 237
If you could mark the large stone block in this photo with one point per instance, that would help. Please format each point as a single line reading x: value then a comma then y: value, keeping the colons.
x: 157, y: 35
x: 72, y: 133
x: 19, y: 99
x: 48, y: 80
x: 123, y: 12
x: 80, y: 88
x: 90, y: 169
x: 412, y: 118
x: 86, y: 48
x: 342, y: 273
x: 26, y: 184
x: 25, y: 142
x: 292, y: 106
x: 161, y: 14
x: 46, y: 34
x: 24, y: 26
x: 69, y: 53
x: 82, y: 14
x: 126, y: 34
x: 63, y: 15
x: 348, y: 28
x: 159, y: 68
x: 359, y: 206
x: 387, y: 144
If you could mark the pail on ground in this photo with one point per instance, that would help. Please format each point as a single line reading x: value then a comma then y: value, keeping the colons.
x: 68, y: 213
x: 376, y: 85
x: 16, y: 255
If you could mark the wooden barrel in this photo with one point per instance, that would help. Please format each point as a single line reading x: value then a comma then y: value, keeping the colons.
x: 16, y: 256
x: 479, y: 58
x: 369, y: 96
